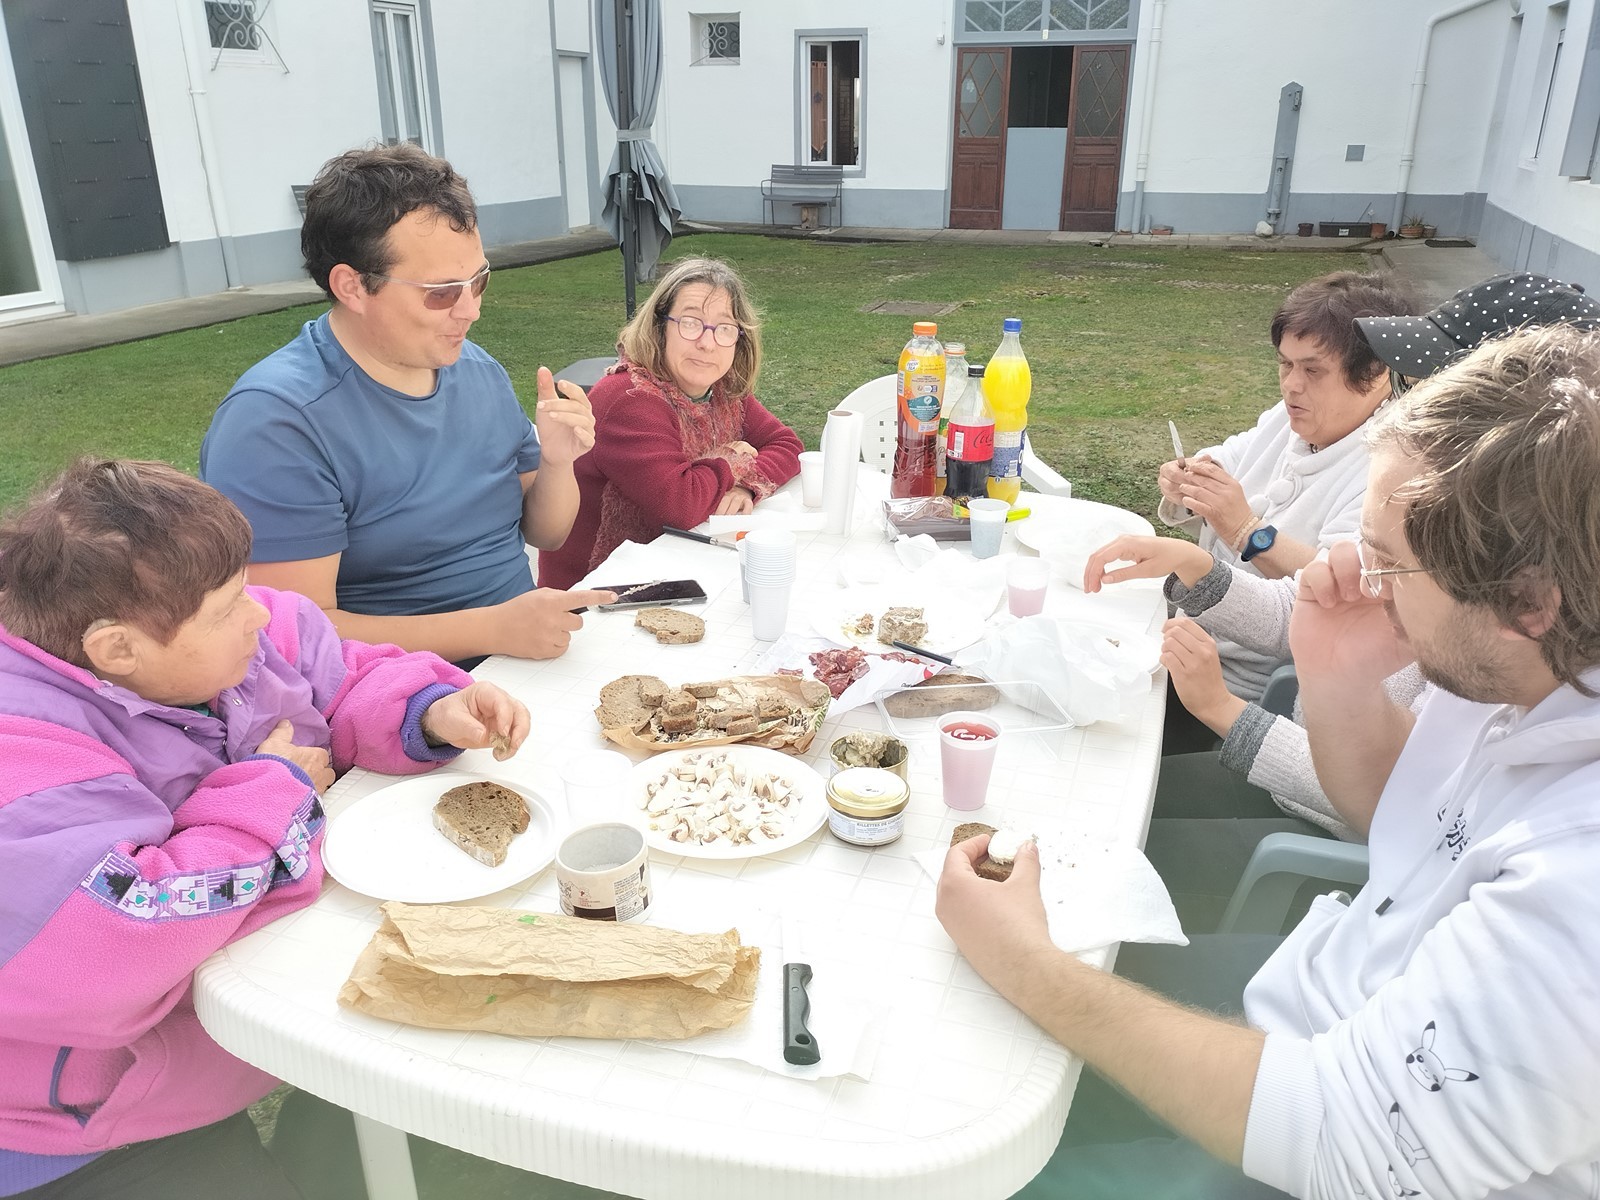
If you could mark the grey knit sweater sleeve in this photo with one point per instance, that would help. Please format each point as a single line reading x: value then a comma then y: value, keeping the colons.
x: 1275, y: 753
x: 1240, y: 606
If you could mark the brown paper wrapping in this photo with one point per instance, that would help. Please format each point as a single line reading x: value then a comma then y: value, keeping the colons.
x: 543, y: 975
x: 793, y: 737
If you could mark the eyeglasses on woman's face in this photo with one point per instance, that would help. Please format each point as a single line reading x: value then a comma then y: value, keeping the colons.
x: 442, y: 295
x: 1375, y: 570
x: 690, y: 328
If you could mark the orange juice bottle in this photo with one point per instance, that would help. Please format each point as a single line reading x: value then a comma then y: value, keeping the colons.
x: 1007, y: 384
x: 919, y: 390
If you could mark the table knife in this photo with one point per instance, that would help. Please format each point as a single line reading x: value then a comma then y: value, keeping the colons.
x: 1177, y: 442
x: 799, y: 1047
x: 707, y: 538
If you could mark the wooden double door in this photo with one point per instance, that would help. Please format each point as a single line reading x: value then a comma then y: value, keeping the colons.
x: 1094, y: 119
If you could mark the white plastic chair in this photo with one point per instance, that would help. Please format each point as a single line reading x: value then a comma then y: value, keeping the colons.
x: 875, y: 401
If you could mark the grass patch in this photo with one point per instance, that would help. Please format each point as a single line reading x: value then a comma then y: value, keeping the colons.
x: 1120, y: 339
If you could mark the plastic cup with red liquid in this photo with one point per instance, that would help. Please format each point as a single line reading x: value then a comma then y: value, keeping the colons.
x: 967, y: 745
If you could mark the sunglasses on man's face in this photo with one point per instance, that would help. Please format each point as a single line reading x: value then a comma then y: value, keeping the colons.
x: 442, y: 295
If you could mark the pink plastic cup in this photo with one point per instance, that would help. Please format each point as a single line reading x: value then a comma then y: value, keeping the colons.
x: 967, y: 745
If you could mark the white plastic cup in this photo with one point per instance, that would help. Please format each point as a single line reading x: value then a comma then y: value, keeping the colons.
x: 811, y: 478
x: 596, y: 783
x: 767, y: 560
x: 965, y: 763
x: 1027, y: 580
x: 769, y: 609
x: 987, y: 522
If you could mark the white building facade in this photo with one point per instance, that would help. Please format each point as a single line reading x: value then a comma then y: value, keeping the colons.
x: 149, y: 148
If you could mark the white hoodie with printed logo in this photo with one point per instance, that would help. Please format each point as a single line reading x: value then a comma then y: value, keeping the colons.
x: 1440, y: 1037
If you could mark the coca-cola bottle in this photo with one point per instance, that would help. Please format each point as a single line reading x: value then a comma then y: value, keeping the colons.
x: 969, y: 442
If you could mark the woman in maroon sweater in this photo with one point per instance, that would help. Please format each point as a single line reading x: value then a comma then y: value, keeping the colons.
x: 678, y: 434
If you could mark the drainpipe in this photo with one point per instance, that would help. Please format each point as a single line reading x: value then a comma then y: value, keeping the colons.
x: 1408, y: 152
x: 201, y: 105
x: 1141, y: 169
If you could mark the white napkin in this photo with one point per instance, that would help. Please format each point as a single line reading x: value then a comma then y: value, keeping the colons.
x: 1095, y: 892
x: 847, y: 1011
x: 668, y: 557
x: 778, y: 512
x: 884, y: 676
x: 1094, y: 672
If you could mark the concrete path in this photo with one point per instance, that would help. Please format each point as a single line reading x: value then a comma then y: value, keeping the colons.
x: 50, y: 336
x: 1436, y: 271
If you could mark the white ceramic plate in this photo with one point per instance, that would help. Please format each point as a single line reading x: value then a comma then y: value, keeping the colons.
x: 1066, y: 531
x: 385, y: 846
x: 801, y: 822
x: 952, y: 626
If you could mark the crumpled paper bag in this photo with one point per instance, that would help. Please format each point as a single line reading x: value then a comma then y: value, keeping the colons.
x: 1094, y: 672
x: 534, y: 974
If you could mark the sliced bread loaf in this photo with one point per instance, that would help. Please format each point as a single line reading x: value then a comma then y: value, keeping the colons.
x: 986, y: 868
x: 626, y: 704
x: 481, y: 818
x: 672, y: 626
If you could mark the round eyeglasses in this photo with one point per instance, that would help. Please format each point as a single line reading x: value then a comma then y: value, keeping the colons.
x: 690, y: 328
x: 1373, y: 573
x: 442, y: 295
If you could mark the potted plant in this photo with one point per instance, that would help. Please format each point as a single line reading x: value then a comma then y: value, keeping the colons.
x: 1430, y: 231
x: 1411, y: 226
x: 1380, y: 229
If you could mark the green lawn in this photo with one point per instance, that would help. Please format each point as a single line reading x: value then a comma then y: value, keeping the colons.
x: 1120, y: 339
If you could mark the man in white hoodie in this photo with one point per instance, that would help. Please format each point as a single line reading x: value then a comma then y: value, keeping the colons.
x: 1439, y: 1036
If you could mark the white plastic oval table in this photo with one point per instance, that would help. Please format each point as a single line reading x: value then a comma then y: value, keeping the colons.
x: 967, y: 1097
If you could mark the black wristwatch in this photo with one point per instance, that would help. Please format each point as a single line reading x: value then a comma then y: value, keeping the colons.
x: 1261, y: 538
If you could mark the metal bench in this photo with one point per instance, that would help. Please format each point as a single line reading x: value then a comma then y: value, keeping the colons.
x: 817, y: 188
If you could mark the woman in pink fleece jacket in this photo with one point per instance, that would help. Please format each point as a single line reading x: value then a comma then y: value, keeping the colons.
x: 165, y: 731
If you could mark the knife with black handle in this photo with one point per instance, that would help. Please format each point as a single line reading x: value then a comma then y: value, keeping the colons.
x: 799, y: 1046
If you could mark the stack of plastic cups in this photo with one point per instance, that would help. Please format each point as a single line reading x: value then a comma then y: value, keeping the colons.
x: 768, y: 569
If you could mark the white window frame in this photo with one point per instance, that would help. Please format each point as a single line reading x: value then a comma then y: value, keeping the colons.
x: 808, y: 39
x: 388, y: 10
x: 700, y: 39
x: 1542, y: 109
x: 264, y: 55
x: 47, y: 297
x: 1580, y: 155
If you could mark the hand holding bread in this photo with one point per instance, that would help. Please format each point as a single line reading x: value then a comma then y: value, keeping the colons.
x: 999, y: 927
x: 477, y: 716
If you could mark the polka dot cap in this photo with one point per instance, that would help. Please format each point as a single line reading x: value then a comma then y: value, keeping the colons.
x: 1419, y: 346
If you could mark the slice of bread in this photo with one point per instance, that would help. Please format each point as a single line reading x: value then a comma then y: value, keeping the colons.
x: 986, y: 868
x: 481, y: 818
x: 624, y: 703
x: 672, y: 626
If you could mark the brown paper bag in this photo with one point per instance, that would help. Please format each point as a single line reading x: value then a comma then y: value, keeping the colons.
x: 544, y: 975
x: 793, y: 736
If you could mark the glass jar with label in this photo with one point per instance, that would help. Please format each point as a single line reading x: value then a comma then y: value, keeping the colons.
x: 867, y: 806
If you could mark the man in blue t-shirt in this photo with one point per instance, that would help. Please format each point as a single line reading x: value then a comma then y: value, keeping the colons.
x: 383, y: 460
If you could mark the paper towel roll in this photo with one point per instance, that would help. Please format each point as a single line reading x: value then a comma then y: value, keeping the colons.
x: 841, y: 452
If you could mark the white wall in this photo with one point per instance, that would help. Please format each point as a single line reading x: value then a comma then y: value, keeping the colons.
x: 1222, y: 67
x: 276, y: 122
x: 1533, y: 190
x: 497, y: 75
x: 906, y: 92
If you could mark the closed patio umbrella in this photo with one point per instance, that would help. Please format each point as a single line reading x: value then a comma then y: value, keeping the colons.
x: 640, y: 203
